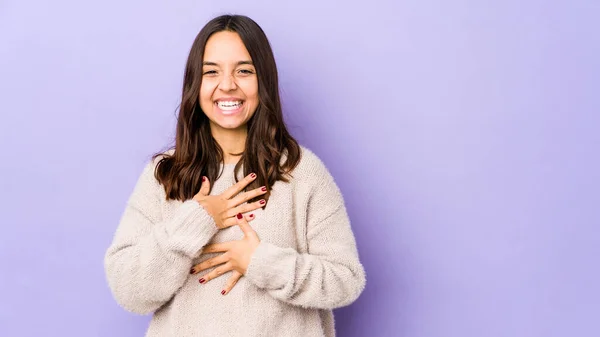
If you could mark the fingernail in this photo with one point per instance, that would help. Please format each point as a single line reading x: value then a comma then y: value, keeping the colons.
x: 203, y: 179
x: 239, y: 216
x: 202, y: 280
x: 192, y: 271
x: 262, y: 202
x: 252, y: 215
x: 223, y: 292
x: 253, y: 175
x: 264, y: 189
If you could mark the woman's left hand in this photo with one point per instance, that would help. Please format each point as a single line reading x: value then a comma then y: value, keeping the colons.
x: 236, y: 256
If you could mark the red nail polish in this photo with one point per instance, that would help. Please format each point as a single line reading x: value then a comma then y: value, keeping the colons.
x: 192, y: 271
x: 264, y: 189
x: 203, y: 179
x: 253, y: 175
x: 202, y: 280
x: 252, y: 215
x: 262, y: 202
x: 223, y: 292
x: 239, y: 216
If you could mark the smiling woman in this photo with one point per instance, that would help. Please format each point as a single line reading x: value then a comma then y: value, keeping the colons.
x: 227, y: 68
x: 236, y: 197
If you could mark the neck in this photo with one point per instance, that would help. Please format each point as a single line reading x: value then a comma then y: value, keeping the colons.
x: 232, y: 142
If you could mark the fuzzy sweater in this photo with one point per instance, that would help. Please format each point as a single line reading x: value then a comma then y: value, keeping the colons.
x: 306, y: 264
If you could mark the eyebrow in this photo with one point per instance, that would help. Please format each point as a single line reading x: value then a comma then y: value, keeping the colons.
x: 208, y: 63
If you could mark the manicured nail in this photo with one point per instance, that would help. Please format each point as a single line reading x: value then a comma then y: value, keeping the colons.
x: 262, y: 202
x: 202, y: 280
x: 264, y: 189
x: 253, y: 175
x: 252, y: 215
x: 223, y: 292
x: 240, y: 216
x: 203, y: 179
x: 192, y: 271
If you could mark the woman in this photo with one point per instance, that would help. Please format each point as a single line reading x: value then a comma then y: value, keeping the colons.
x: 185, y: 250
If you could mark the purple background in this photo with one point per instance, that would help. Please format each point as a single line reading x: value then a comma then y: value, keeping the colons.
x: 464, y: 135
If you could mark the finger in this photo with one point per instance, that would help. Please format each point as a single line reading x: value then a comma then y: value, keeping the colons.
x: 232, y: 221
x: 239, y: 186
x: 243, y: 197
x: 231, y: 282
x: 245, y: 226
x: 220, y: 270
x: 245, y: 208
x: 215, y: 261
x: 217, y: 247
x: 205, y: 187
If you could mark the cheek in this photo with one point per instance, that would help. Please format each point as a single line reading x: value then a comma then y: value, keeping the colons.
x: 205, y: 94
x: 251, y: 90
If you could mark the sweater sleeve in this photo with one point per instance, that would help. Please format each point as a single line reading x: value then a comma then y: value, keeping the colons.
x: 150, y: 257
x: 330, y: 274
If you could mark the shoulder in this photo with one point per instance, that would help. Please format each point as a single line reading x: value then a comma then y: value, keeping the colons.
x: 311, y: 169
x: 313, y: 179
x: 151, y: 164
x: 309, y: 163
x: 160, y: 155
x: 147, y: 184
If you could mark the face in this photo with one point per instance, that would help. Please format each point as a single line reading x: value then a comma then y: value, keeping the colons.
x: 229, y: 89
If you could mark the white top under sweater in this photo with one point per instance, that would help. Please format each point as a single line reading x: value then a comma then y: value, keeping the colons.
x: 306, y: 264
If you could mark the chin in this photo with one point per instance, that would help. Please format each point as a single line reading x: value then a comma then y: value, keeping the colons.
x: 230, y: 125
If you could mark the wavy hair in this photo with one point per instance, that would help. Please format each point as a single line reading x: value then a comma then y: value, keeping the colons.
x: 270, y: 151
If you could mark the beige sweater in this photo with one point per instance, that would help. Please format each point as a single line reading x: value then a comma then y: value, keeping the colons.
x: 306, y: 264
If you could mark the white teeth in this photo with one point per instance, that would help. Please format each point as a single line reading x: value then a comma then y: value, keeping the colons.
x: 229, y: 105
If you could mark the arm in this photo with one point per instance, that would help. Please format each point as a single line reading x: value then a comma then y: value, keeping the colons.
x: 330, y: 275
x: 150, y: 258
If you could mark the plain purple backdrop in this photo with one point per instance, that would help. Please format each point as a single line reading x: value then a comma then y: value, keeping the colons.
x: 463, y: 134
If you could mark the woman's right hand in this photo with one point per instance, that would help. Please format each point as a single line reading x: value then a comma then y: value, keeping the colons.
x: 225, y: 206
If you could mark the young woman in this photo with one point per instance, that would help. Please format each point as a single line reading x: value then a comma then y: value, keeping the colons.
x: 238, y: 230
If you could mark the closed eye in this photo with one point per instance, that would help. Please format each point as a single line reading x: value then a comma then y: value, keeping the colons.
x: 209, y: 72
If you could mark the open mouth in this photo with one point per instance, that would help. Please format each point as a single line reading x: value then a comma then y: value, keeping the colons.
x: 229, y: 105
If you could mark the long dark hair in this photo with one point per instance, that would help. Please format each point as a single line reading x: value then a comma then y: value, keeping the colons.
x: 197, y: 153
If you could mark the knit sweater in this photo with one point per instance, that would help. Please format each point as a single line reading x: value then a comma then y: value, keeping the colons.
x: 305, y: 265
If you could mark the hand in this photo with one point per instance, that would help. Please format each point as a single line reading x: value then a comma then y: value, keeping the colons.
x: 224, y: 207
x: 236, y: 256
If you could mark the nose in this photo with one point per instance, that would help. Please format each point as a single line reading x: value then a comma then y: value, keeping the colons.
x: 227, y: 83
